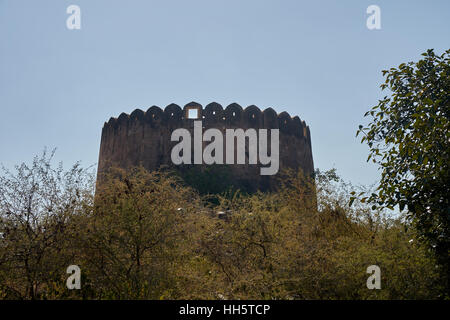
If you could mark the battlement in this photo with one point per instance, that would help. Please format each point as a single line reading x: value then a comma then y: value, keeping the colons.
x: 144, y: 137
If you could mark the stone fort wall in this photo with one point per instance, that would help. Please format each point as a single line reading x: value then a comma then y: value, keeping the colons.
x: 144, y: 138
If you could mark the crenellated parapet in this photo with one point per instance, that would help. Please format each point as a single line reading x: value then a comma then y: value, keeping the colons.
x: 213, y: 113
x: 143, y: 137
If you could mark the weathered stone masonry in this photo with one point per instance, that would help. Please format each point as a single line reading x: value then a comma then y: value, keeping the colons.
x: 143, y: 138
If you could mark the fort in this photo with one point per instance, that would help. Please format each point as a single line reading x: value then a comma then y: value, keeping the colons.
x: 144, y: 139
x: 239, y: 146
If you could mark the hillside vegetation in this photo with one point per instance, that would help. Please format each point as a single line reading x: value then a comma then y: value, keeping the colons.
x: 146, y: 235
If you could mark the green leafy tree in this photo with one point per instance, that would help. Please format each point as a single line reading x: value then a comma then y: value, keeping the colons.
x: 409, y: 139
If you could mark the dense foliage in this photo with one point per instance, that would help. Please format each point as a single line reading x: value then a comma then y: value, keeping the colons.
x: 148, y: 236
x: 409, y: 138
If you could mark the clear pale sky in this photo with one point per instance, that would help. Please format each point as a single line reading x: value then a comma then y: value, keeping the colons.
x: 314, y: 59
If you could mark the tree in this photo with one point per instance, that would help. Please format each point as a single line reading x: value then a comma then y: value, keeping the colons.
x: 135, y: 234
x: 37, y: 203
x: 409, y: 139
x: 149, y: 236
